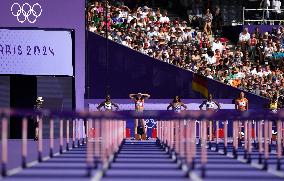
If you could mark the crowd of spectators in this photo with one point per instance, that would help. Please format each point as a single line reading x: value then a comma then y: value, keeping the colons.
x: 254, y: 65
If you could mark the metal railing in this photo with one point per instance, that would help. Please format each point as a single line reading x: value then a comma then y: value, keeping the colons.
x: 264, y: 19
x: 177, y: 133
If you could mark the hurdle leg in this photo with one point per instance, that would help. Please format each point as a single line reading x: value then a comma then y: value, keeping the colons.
x: 279, y: 144
x: 266, y: 145
x: 4, y: 140
x: 235, y: 138
x: 67, y: 135
x: 249, y: 141
x: 24, y: 142
x: 61, y: 136
x: 217, y: 136
x: 40, y: 146
x: 225, y: 137
x: 203, y: 148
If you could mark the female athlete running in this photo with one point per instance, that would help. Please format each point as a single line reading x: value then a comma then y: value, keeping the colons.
x: 139, y: 107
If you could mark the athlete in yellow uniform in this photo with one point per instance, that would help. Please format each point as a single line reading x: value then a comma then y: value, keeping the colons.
x: 274, y: 104
x: 139, y: 106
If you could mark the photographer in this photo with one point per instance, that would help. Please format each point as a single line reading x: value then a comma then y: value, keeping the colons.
x: 37, y: 107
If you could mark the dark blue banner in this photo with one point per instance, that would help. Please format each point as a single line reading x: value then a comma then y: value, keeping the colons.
x: 130, y: 71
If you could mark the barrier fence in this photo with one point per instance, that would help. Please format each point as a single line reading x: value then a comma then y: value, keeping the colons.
x: 185, y: 135
x: 265, y: 14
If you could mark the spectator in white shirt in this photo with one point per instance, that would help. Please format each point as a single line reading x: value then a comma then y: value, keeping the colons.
x: 268, y: 50
x: 164, y: 18
x: 276, y: 5
x: 244, y: 36
x: 210, y: 58
x: 217, y: 45
x: 244, y: 39
x: 267, y: 71
x: 152, y: 32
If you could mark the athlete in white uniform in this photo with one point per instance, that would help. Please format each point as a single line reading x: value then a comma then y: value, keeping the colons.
x: 210, y: 104
x: 139, y: 107
x: 107, y: 104
x: 177, y: 105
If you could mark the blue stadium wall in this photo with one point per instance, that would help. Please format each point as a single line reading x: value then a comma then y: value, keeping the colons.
x: 132, y: 72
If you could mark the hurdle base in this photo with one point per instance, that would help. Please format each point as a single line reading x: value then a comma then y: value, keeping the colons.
x: 89, y: 171
x: 158, y: 142
x: 265, y: 165
x: 51, y: 153
x: 203, y: 171
x: 225, y: 151
x: 245, y: 154
x: 278, y: 164
x: 193, y: 164
x: 217, y: 147
x: 61, y: 149
x: 235, y: 153
x: 24, y: 162
x: 249, y: 158
x: 39, y: 157
x: 95, y: 163
x: 209, y: 145
x: 4, y: 170
x: 239, y: 141
x: 255, y: 145
x: 269, y: 148
x: 259, y: 158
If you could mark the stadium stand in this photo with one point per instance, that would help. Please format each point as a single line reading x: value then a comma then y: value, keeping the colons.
x: 254, y: 64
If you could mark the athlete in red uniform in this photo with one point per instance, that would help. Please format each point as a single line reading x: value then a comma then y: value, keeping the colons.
x: 241, y: 103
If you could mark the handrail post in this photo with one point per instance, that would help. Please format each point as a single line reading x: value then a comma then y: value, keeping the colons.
x: 244, y: 15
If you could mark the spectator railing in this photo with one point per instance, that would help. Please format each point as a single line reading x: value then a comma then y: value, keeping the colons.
x: 264, y: 19
x: 178, y: 134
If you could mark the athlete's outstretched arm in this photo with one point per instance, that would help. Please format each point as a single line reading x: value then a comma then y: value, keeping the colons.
x: 169, y: 106
x: 132, y: 96
x: 202, y: 104
x: 146, y: 96
x: 236, y: 105
x: 115, y: 105
x: 100, y: 105
x: 218, y: 105
x: 184, y: 106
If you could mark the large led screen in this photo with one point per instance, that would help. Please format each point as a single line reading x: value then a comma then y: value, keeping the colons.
x: 36, y: 52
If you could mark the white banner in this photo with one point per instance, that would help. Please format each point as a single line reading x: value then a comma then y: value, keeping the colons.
x: 35, y: 52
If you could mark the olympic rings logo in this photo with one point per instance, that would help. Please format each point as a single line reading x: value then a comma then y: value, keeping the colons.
x: 150, y: 123
x: 26, y: 12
